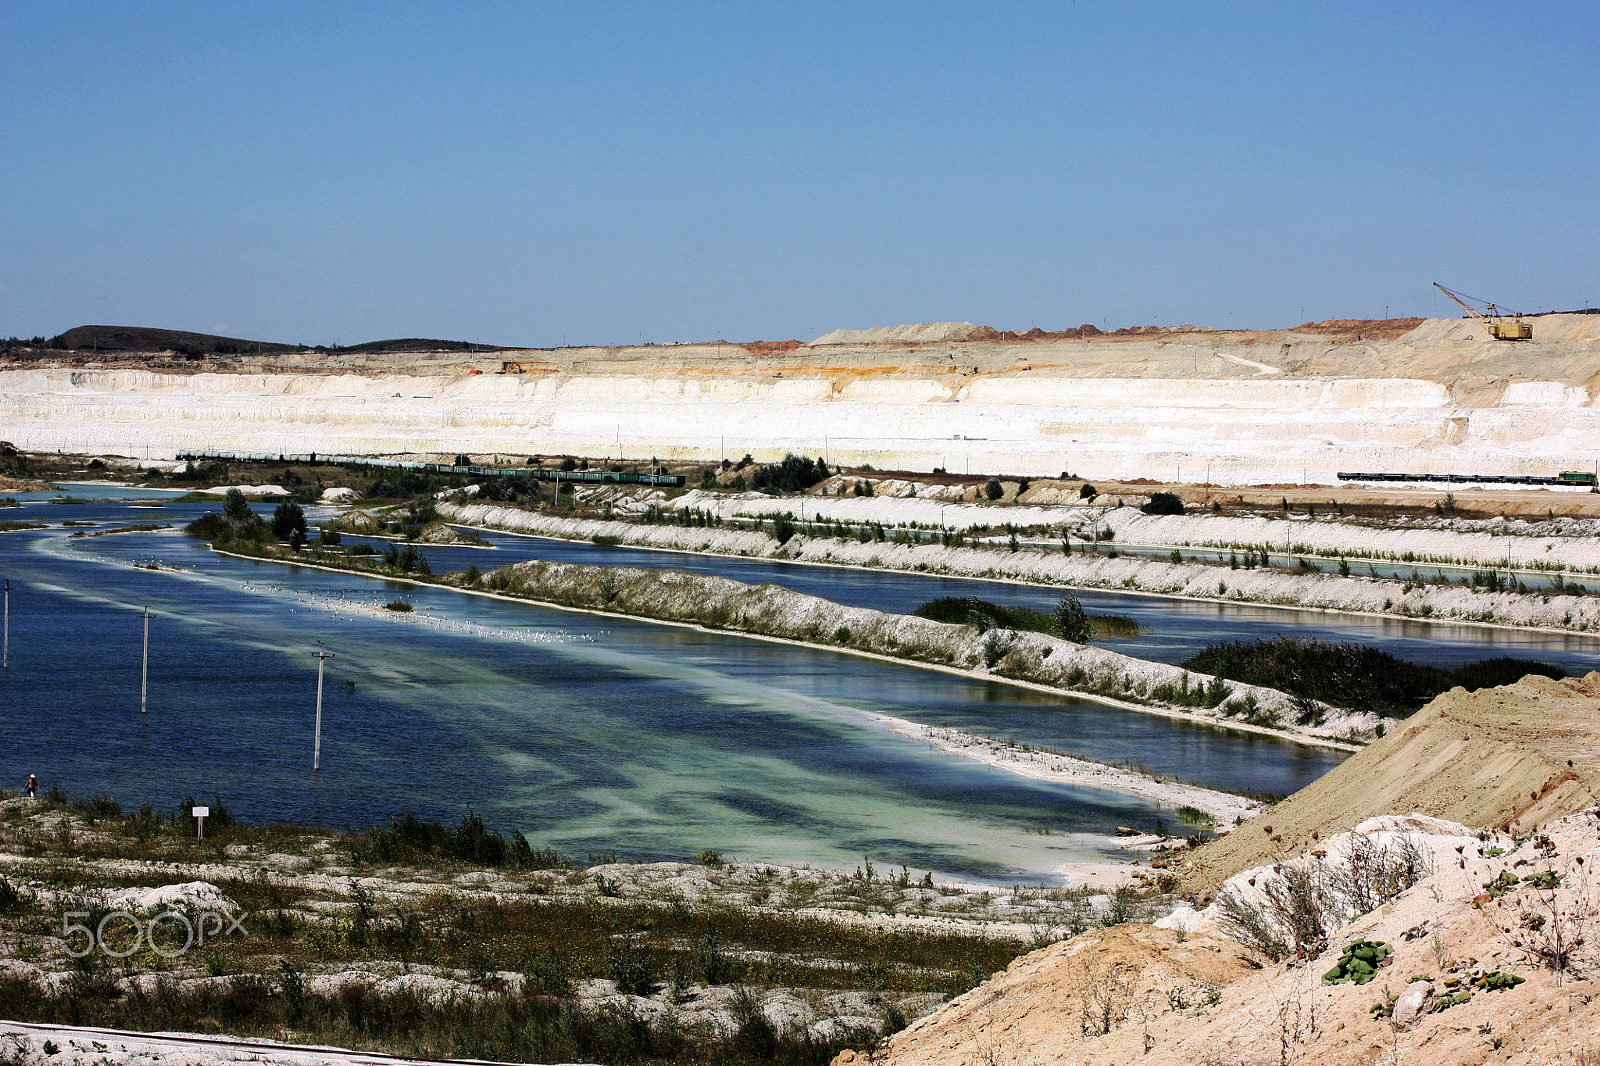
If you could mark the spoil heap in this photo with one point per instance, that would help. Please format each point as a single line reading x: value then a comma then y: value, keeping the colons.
x: 1491, y: 955
x: 1510, y: 758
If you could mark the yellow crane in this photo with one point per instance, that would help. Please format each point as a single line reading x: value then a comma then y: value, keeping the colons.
x: 1499, y: 327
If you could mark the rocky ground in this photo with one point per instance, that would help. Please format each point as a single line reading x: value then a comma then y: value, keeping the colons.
x: 331, y: 931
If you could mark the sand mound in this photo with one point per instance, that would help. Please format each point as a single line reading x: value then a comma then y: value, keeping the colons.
x: 1043, y: 1002
x: 921, y: 333
x: 1507, y: 758
x: 1134, y: 994
x: 1493, y: 953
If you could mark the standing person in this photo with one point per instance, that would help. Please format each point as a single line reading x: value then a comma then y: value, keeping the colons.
x: 32, y: 787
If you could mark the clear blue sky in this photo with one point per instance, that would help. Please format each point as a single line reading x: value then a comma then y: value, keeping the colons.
x: 533, y: 173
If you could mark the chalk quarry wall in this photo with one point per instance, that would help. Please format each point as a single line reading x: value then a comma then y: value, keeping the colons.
x: 1239, y: 407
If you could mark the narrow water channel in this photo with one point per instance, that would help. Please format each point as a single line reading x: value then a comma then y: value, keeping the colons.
x: 590, y: 735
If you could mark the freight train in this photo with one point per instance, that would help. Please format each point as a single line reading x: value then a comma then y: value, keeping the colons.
x: 1566, y: 477
x: 535, y: 474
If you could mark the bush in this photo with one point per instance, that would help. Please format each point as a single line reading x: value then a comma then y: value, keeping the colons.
x: 1349, y: 675
x: 1087, y: 492
x: 993, y: 489
x: 714, y: 964
x: 1071, y: 621
x: 1503, y: 670
x: 547, y: 975
x: 794, y: 474
x: 1163, y: 503
x: 971, y: 611
x: 632, y: 968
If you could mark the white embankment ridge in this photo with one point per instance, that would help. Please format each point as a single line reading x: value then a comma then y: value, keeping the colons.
x: 1224, y: 808
x: 1235, y: 408
x: 1558, y: 544
x: 1022, y: 658
x: 773, y: 613
x: 1125, y: 574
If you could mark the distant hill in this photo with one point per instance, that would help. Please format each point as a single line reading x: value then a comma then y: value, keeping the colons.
x: 145, y: 339
x: 415, y: 344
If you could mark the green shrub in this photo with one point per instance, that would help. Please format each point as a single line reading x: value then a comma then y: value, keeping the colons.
x: 1349, y: 675
x: 1359, y: 962
x: 1071, y: 622
x: 1163, y: 503
x: 631, y: 967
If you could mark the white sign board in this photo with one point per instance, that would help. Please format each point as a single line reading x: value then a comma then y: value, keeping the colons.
x: 202, y: 812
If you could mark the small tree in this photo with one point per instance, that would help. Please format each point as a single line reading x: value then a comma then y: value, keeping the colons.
x: 235, y: 506
x: 1072, y: 623
x: 993, y: 489
x: 1087, y: 492
x: 287, y: 520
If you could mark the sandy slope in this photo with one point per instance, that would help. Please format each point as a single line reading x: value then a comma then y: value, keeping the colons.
x: 1507, y: 758
x: 1499, y: 758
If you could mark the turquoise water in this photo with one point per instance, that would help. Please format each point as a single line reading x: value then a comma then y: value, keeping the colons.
x: 590, y: 735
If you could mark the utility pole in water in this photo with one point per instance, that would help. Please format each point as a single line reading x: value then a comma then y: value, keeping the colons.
x: 144, y: 669
x: 323, y: 654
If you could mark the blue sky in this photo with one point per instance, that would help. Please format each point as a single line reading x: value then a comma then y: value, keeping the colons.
x: 541, y: 173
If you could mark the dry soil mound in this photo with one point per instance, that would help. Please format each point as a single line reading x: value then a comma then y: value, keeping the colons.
x: 1506, y: 758
x: 1129, y: 995
x: 921, y: 332
x: 1494, y: 953
x: 1046, y: 1001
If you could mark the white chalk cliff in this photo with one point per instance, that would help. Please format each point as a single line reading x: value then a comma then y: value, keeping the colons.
x: 1240, y: 407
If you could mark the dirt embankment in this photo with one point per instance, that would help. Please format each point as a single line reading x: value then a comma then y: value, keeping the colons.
x: 1507, y: 758
x: 1494, y: 952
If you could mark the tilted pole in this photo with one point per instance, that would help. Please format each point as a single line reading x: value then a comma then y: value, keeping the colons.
x: 316, y: 750
x: 144, y: 670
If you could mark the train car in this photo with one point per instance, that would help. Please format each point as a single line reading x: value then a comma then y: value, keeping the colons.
x: 1575, y: 477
